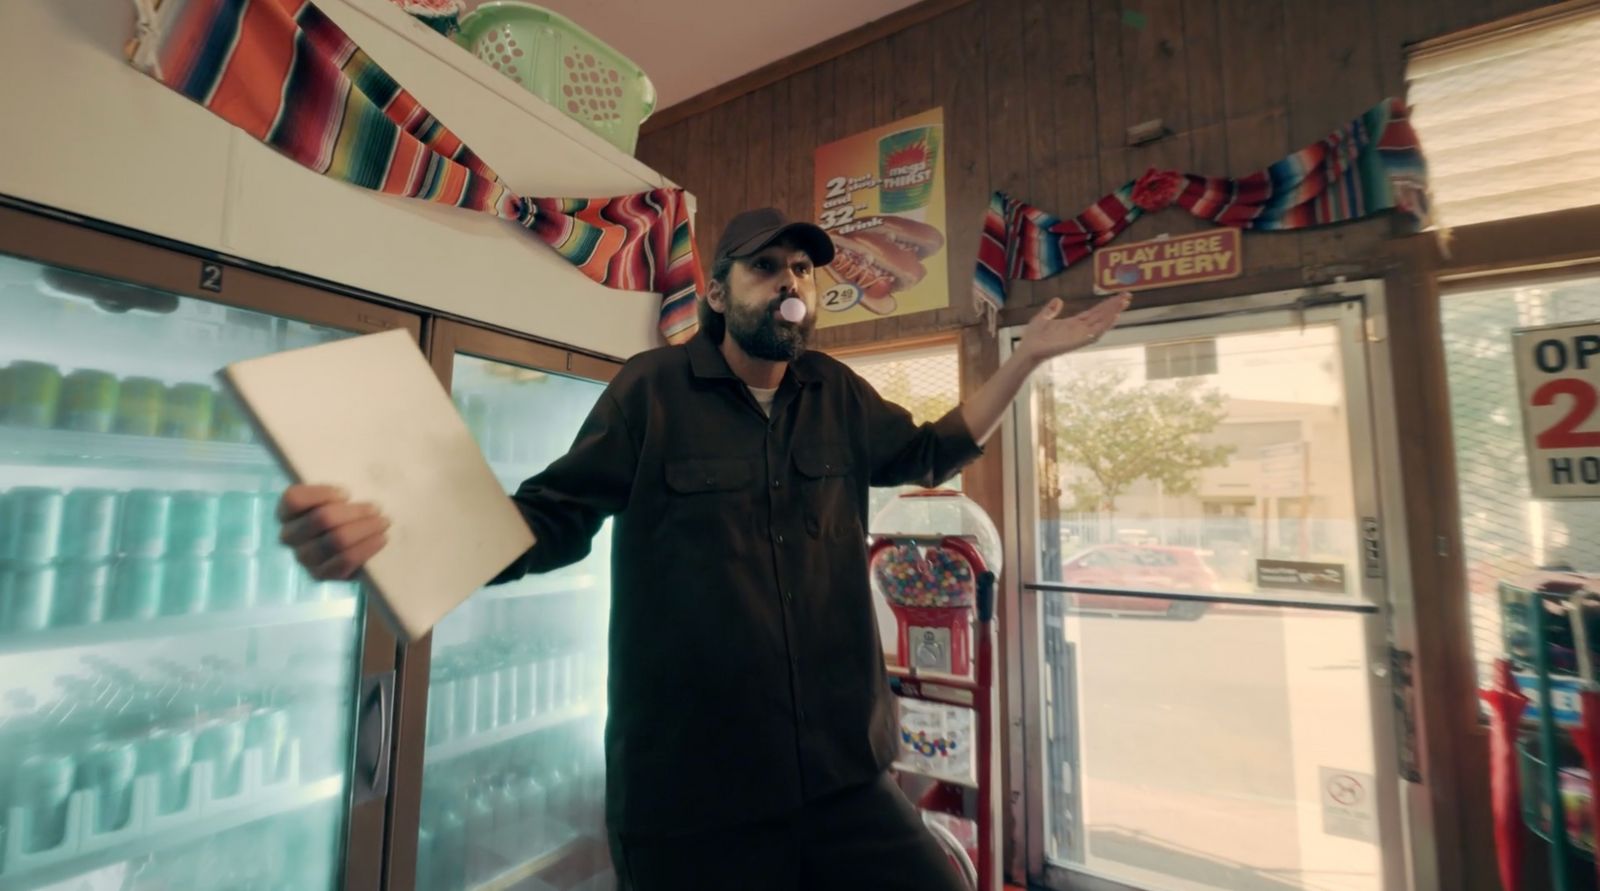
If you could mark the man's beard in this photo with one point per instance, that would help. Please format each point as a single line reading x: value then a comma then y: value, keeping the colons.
x: 763, y: 334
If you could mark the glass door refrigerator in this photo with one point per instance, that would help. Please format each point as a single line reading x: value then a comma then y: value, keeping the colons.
x: 500, y: 777
x: 180, y: 706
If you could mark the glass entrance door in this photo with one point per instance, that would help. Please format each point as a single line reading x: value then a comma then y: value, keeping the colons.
x: 1206, y: 664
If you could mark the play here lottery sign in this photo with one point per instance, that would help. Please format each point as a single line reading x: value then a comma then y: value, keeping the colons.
x: 1558, y: 384
x: 1167, y: 262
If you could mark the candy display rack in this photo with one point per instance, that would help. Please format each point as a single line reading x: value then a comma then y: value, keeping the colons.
x: 934, y: 559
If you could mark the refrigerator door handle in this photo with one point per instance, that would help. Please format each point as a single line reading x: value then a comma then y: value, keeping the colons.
x: 374, y: 726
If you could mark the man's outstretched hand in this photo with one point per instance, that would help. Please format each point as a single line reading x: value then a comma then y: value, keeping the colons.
x: 1048, y: 336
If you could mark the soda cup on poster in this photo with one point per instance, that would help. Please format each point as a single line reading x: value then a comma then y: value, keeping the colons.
x: 907, y: 162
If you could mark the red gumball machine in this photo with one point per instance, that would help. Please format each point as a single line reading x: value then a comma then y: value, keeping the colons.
x: 934, y: 559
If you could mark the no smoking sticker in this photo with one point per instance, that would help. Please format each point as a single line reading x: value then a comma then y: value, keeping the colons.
x: 1348, y: 810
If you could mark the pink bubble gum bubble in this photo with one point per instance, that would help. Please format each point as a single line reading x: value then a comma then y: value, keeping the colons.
x: 793, y: 310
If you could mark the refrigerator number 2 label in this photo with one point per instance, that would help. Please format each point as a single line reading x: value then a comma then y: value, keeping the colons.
x: 211, y: 277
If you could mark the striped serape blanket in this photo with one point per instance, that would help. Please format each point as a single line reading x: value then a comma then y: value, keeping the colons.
x: 283, y: 72
x: 1372, y: 164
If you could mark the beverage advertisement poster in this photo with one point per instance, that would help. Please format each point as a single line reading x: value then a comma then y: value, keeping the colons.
x: 880, y: 195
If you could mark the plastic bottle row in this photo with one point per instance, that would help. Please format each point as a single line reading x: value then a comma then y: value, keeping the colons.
x: 292, y: 852
x: 494, y: 813
x: 36, y: 394
x: 62, y: 805
x: 474, y: 691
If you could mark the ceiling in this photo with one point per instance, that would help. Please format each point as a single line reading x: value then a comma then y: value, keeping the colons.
x: 690, y: 46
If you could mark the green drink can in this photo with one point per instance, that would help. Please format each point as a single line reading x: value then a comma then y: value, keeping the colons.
x: 35, y: 394
x: 228, y: 422
x: 89, y: 401
x: 139, y: 406
x: 188, y: 411
x: 907, y: 162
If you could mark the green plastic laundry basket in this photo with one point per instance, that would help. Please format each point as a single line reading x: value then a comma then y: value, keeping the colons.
x: 564, y: 65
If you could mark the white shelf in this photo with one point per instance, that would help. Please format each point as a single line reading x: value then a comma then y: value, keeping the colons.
x: 36, y: 447
x: 456, y: 748
x: 174, y: 626
x: 527, y: 869
x: 208, y: 822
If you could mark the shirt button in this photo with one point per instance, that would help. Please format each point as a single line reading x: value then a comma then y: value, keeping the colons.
x: 779, y: 538
x: 788, y: 595
x: 777, y: 484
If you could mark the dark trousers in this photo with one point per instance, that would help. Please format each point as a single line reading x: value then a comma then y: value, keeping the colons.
x: 869, y: 838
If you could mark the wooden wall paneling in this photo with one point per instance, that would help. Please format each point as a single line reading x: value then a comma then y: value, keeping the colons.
x: 1039, y: 88
x: 758, y: 149
x: 1073, y: 95
x: 1155, y: 74
x: 1333, y: 76
x: 960, y: 87
x: 785, y: 154
x: 854, y: 83
x: 737, y: 162
x: 1208, y: 114
x: 1390, y: 25
x: 805, y: 106
x: 704, y: 155
x: 1111, y: 113
x: 1255, y: 99
x: 1007, y: 72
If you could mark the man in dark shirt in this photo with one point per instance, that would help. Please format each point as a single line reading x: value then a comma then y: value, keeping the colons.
x: 750, y: 719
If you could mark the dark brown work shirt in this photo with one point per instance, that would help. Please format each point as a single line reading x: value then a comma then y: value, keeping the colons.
x: 746, y: 673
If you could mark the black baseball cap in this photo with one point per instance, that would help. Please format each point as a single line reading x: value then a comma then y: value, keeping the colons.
x: 750, y: 232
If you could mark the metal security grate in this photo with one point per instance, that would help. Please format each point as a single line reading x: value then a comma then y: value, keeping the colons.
x: 925, y: 381
x: 1507, y: 533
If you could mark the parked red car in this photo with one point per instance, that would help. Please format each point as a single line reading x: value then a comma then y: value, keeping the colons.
x: 1141, y: 568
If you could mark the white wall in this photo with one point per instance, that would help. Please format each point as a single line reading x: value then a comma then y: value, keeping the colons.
x: 87, y: 133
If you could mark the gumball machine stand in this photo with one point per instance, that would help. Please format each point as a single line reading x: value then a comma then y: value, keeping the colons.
x: 934, y: 558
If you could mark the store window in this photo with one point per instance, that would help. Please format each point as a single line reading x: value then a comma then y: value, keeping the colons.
x: 926, y: 381
x: 1508, y: 118
x: 1507, y: 533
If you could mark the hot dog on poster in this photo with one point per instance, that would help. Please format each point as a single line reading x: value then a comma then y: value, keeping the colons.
x: 877, y: 264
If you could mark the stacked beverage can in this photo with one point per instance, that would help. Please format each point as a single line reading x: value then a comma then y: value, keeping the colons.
x: 235, y: 567
x: 191, y: 541
x: 138, y: 575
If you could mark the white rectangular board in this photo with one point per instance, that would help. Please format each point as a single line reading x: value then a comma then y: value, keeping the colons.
x: 369, y: 415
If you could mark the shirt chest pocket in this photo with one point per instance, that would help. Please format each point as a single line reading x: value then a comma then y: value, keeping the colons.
x: 826, y: 475
x: 709, y: 492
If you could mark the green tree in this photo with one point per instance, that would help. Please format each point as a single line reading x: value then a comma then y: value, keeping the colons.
x: 1116, y: 435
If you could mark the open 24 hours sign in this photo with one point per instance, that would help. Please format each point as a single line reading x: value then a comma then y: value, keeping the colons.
x: 1558, y: 386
